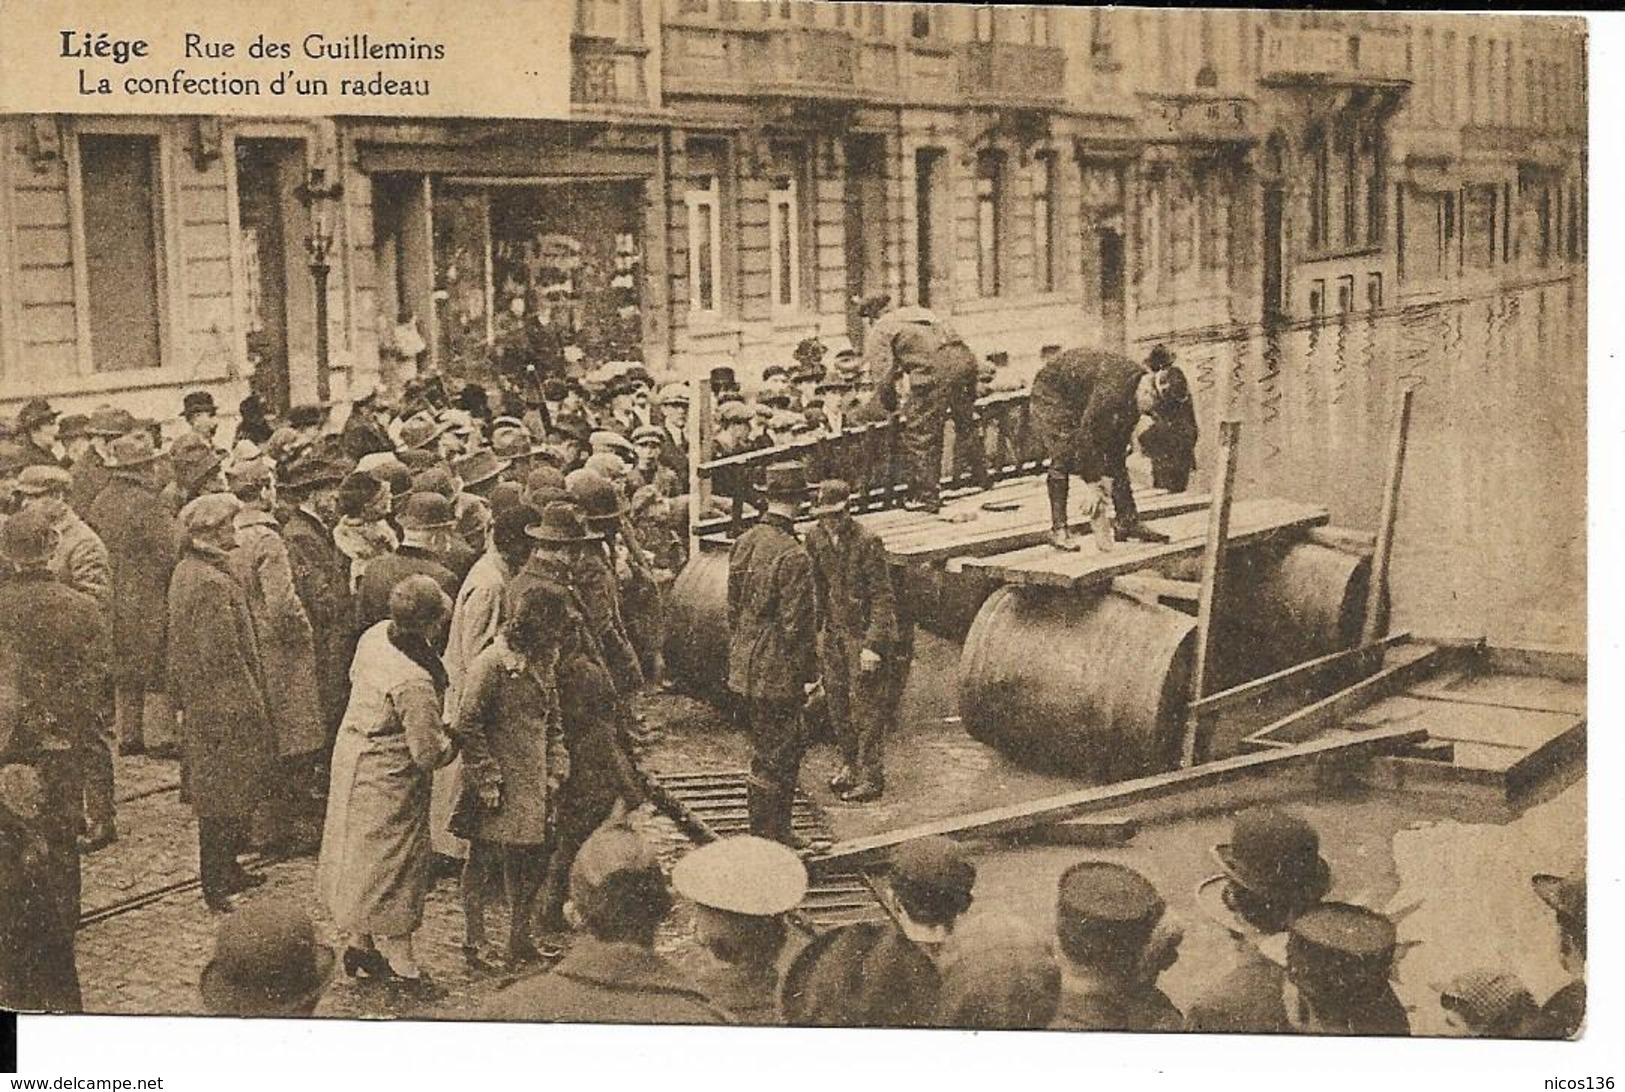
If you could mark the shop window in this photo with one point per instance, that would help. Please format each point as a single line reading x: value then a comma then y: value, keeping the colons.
x: 990, y: 188
x: 704, y: 248
x: 784, y: 246
x: 1045, y: 234
x: 123, y: 233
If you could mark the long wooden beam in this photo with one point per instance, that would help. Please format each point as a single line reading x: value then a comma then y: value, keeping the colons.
x: 1015, y: 818
x: 1376, y: 610
x: 1193, y: 746
x: 1330, y: 710
x: 1240, y: 695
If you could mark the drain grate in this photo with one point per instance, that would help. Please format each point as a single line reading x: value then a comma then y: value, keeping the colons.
x: 710, y: 804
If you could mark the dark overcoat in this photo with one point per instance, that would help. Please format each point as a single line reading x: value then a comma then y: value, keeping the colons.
x: 771, y: 614
x: 1083, y: 402
x: 217, y: 682
x: 321, y: 576
x: 606, y: 983
x: 141, y: 537
x: 286, y: 642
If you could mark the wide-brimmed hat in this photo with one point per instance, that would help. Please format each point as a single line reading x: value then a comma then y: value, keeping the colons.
x: 600, y: 500
x: 73, y: 426
x: 1276, y: 855
x: 111, y: 421
x: 513, y: 443
x: 421, y: 431
x: 312, y: 471
x: 35, y: 412
x: 785, y: 481
x: 436, y: 479
x: 481, y: 466
x: 28, y: 539
x: 307, y: 416
x: 194, y: 460
x: 427, y: 512
x: 267, y: 962
x: 560, y: 524
x: 35, y: 481
x: 133, y: 449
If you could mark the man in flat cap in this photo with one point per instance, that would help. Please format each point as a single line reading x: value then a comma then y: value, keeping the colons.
x: 612, y: 974
x: 80, y: 562
x: 217, y: 681
x: 742, y: 887
x: 1108, y: 919
x: 772, y: 660
x: 858, y: 642
x: 287, y: 646
x: 929, y: 887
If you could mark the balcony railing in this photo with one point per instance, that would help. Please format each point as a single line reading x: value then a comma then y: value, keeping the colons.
x: 1301, y: 55
x: 788, y: 61
x: 1010, y: 74
x: 1198, y: 117
x: 608, y: 74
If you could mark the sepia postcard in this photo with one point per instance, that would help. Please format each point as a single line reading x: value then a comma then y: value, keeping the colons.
x: 795, y: 513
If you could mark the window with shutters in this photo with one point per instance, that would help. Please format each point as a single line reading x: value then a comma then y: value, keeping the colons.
x: 121, y: 220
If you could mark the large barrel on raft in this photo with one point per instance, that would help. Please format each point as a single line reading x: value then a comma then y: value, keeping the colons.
x: 1096, y: 684
x: 1285, y: 603
x: 696, y: 649
x: 1091, y: 684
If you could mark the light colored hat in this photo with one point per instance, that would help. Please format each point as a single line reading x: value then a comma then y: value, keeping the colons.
x: 35, y: 481
x: 742, y: 875
x: 674, y: 394
x: 209, y: 512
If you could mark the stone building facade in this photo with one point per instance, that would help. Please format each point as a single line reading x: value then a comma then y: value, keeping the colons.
x: 735, y: 175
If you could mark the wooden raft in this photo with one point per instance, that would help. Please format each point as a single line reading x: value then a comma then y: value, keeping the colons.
x: 1019, y: 517
x: 1250, y: 521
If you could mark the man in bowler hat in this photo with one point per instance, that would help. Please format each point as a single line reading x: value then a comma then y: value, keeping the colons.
x: 772, y: 663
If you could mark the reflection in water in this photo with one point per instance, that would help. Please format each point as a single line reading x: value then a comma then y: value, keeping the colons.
x: 1491, y: 537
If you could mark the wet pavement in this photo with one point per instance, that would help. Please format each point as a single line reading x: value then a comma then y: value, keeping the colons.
x: 1467, y: 874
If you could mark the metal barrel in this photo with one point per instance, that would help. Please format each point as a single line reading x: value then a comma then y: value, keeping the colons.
x: 1287, y: 604
x: 1093, y: 686
x: 696, y: 647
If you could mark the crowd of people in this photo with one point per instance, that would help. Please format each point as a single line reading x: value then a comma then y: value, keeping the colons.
x: 1312, y: 966
x: 408, y: 633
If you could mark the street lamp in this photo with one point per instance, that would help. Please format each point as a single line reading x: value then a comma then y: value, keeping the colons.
x: 317, y: 194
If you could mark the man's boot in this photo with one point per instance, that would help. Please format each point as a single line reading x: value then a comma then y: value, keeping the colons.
x: 1135, y: 531
x: 1059, y: 536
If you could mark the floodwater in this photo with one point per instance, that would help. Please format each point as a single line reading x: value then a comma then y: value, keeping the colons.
x: 1491, y: 533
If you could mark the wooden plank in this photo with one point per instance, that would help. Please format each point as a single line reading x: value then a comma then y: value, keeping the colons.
x: 1548, y: 661
x: 1195, y: 743
x: 1251, y: 521
x: 1525, y: 692
x: 1240, y: 695
x: 1339, y: 707
x: 1149, y: 588
x: 1376, y: 610
x: 1015, y: 530
x: 1015, y: 818
x: 1347, y: 539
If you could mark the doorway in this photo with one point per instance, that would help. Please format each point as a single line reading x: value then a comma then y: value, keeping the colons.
x: 1274, y: 308
x: 865, y: 226
x: 1113, y: 283
x: 280, y: 297
x: 934, y: 227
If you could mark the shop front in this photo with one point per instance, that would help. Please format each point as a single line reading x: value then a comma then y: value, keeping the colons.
x: 495, y: 256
